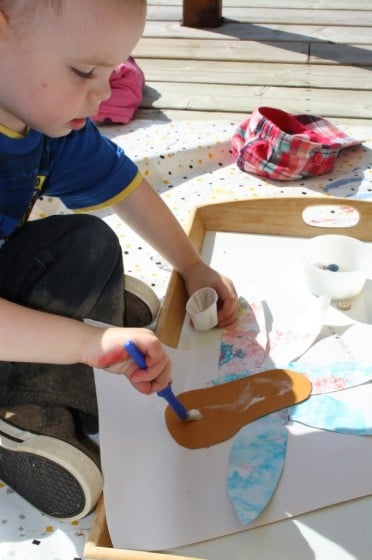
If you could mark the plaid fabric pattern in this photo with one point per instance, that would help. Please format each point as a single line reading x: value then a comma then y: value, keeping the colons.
x: 281, y: 146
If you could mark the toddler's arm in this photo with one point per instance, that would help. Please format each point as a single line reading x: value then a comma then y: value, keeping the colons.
x: 33, y: 336
x: 146, y: 213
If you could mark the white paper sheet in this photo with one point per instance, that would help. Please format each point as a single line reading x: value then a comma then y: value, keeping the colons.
x: 159, y: 495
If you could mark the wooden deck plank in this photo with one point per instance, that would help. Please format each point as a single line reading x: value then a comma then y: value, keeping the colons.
x: 341, y: 54
x: 310, y: 4
x: 216, y: 97
x: 339, y: 17
x: 256, y: 73
x: 260, y: 32
x: 252, y: 51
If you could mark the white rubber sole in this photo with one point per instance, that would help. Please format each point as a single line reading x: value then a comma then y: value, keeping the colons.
x: 53, y: 475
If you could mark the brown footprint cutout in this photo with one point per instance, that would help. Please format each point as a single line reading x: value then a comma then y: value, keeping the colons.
x: 228, y: 407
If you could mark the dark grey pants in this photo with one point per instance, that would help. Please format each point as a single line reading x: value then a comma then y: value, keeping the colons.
x: 70, y: 265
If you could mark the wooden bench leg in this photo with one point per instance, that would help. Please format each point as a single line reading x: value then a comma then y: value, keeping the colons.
x: 202, y: 13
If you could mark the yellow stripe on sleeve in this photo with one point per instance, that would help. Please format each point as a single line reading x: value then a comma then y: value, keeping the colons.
x: 117, y: 198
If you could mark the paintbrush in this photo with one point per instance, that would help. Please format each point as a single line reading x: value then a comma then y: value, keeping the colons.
x: 167, y: 393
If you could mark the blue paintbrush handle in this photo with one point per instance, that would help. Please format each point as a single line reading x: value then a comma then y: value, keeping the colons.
x: 167, y: 393
x: 173, y: 402
x: 136, y: 354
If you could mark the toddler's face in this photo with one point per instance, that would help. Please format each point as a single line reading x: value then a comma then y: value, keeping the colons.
x: 56, y: 71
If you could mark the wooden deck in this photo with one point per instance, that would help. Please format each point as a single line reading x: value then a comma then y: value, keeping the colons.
x: 310, y: 56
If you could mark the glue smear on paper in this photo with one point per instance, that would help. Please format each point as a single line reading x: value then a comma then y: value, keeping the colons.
x: 251, y: 395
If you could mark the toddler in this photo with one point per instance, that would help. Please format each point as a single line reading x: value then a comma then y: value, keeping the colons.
x: 56, y: 58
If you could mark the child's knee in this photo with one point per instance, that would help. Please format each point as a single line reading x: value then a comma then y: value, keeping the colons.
x: 96, y: 239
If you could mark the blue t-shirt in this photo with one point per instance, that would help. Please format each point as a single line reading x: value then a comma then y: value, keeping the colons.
x: 86, y: 170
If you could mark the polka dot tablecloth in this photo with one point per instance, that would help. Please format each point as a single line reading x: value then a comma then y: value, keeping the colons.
x: 189, y: 164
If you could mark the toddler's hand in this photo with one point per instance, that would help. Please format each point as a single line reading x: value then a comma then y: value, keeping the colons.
x: 201, y: 275
x: 115, y: 358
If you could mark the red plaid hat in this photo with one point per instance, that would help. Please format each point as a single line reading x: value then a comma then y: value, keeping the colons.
x: 282, y: 146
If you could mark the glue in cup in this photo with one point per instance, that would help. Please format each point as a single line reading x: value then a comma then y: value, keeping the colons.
x: 202, y: 309
x: 335, y: 265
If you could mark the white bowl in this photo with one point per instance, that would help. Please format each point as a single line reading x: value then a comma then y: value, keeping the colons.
x: 346, y: 254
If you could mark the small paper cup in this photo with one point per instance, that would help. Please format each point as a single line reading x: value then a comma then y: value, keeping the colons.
x: 202, y: 309
x: 335, y: 266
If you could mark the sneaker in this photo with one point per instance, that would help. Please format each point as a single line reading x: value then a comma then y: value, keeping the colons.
x: 41, y: 459
x: 141, y: 303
